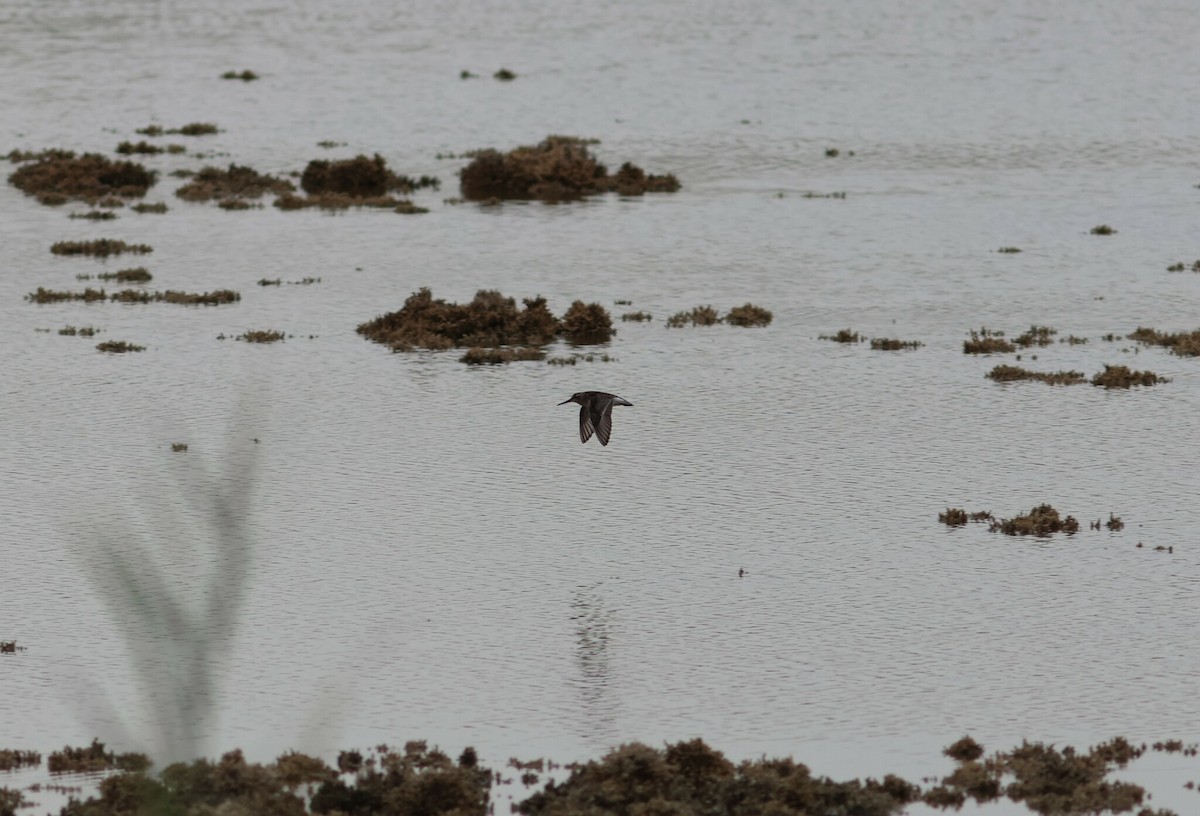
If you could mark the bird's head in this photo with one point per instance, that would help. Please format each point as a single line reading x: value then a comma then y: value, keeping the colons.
x: 574, y: 398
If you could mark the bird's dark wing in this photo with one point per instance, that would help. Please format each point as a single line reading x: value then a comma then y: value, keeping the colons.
x: 586, y: 429
x: 604, y: 426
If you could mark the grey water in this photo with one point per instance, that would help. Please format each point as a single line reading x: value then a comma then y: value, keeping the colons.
x: 431, y: 554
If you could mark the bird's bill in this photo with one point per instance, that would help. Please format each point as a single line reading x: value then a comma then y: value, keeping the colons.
x: 564, y: 402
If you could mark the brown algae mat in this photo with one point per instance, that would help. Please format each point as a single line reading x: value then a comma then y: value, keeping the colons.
x: 100, y: 248
x: 90, y: 295
x: 891, y: 344
x: 558, y: 168
x: 1119, y: 376
x: 987, y: 341
x: 679, y: 779
x: 58, y: 176
x: 842, y: 336
x: 236, y: 182
x: 1184, y: 344
x: 118, y: 347
x: 490, y: 320
x: 138, y: 274
x: 497, y: 356
x: 261, y: 336
x: 1011, y: 373
x: 747, y: 316
x: 356, y: 182
x: 1041, y: 521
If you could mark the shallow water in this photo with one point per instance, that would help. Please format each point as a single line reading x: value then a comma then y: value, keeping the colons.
x: 433, y: 554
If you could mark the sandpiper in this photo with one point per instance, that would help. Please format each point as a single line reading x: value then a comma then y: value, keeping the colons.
x: 595, y: 413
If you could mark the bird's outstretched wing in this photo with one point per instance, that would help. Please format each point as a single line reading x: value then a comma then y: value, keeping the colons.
x: 586, y: 429
x: 604, y: 427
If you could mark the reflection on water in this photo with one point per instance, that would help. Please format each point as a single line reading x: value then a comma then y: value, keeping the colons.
x: 598, y: 694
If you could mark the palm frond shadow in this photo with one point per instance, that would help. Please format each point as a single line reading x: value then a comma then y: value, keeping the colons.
x: 176, y: 618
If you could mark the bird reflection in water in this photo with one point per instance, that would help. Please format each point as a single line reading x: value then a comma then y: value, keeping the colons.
x: 594, y: 643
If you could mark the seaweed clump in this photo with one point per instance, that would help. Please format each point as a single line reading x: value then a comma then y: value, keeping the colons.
x: 748, y: 315
x: 261, y: 336
x: 489, y: 320
x: 94, y: 758
x: 138, y: 274
x: 893, y: 344
x: 690, y: 777
x: 237, y: 182
x: 1011, y: 373
x: 57, y: 176
x: 586, y: 323
x: 699, y: 316
x: 558, y: 168
x: 1183, y: 344
x: 496, y: 356
x: 1041, y: 521
x: 357, y: 182
x: 987, y: 341
x: 100, y: 248
x: 842, y: 336
x: 118, y: 347
x: 1120, y: 376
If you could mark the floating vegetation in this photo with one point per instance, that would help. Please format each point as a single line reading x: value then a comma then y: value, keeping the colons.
x: 953, y: 517
x: 965, y: 750
x: 559, y: 168
x: 281, y: 281
x: 489, y: 320
x: 126, y: 148
x: 504, y: 75
x: 82, y: 331
x: 957, y: 517
x: 360, y: 177
x: 408, y: 208
x: 1103, y: 229
x: 244, y: 76
x: 1184, y: 344
x: 1011, y: 373
x: 887, y: 344
x: 465, y: 74
x: 216, y: 297
x: 261, y: 336
x: 496, y: 356
x: 692, y: 778
x: 1124, y: 377
x: 339, y: 201
x: 58, y: 176
x: 1036, y: 336
x: 179, y: 447
x: 575, y: 359
x: 196, y: 129
x: 94, y: 758
x: 838, y: 195
x: 101, y: 248
x: 637, y: 317
x: 118, y: 347
x: 95, y: 215
x: 699, y: 316
x: 987, y: 341
x: 11, y: 760
x: 620, y: 302
x: 832, y: 152
x: 1041, y: 521
x: 138, y: 274
x: 1180, y: 267
x: 237, y: 204
x: 1009, y: 250
x: 842, y: 336
x: 236, y: 182
x: 8, y: 647
x: 88, y: 295
x: 330, y: 144
x: 1114, y: 523
x: 1073, y: 340
x: 587, y: 323
x: 748, y: 315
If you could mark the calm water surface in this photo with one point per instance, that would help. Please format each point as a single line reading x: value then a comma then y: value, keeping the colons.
x: 430, y: 553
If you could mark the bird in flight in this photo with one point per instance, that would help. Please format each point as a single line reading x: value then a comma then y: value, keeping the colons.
x: 595, y: 413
